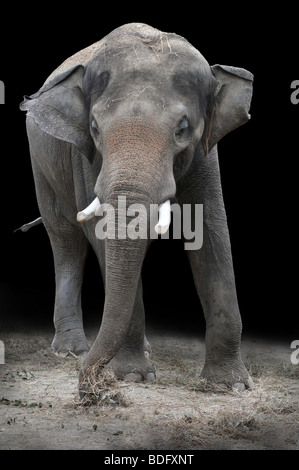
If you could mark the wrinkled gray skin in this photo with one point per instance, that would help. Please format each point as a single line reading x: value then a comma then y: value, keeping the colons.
x: 111, y: 121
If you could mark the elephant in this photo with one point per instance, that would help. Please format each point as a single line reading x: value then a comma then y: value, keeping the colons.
x: 136, y: 115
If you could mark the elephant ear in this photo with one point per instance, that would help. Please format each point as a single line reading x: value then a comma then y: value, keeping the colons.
x: 60, y: 109
x: 231, y: 101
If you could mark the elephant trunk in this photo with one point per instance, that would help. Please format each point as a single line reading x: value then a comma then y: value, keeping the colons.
x: 124, y: 258
x: 142, y: 177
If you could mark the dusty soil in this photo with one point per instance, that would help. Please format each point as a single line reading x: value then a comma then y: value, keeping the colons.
x: 40, y: 409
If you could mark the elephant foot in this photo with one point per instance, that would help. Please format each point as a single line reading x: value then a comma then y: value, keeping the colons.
x: 132, y: 367
x: 231, y: 374
x: 70, y: 343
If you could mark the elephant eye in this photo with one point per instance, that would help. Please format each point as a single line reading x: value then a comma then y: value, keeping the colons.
x: 181, y: 127
x: 94, y: 126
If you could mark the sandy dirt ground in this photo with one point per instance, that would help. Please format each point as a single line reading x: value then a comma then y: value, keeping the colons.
x: 40, y: 408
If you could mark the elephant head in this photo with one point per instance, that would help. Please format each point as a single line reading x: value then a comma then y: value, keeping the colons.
x: 145, y: 104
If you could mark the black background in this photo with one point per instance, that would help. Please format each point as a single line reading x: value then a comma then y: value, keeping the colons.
x: 258, y: 163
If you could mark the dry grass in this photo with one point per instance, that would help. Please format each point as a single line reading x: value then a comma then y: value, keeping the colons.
x: 228, y: 415
x: 39, y: 397
x: 99, y: 386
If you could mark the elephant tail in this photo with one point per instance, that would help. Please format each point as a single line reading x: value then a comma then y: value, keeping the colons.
x: 28, y: 226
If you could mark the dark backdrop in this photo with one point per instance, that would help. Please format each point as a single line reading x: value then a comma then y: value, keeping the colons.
x: 257, y: 163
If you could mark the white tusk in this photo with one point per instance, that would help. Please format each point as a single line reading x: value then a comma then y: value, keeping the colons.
x: 89, y: 212
x: 164, y: 219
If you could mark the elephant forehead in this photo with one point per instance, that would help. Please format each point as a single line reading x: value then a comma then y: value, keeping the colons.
x: 135, y: 46
x: 144, y: 37
x: 165, y: 50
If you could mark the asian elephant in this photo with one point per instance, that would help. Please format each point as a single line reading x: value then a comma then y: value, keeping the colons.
x: 136, y: 115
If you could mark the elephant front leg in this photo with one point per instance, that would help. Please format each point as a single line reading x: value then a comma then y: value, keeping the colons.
x: 214, y: 279
x: 130, y: 362
x: 213, y: 274
x: 69, y: 247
